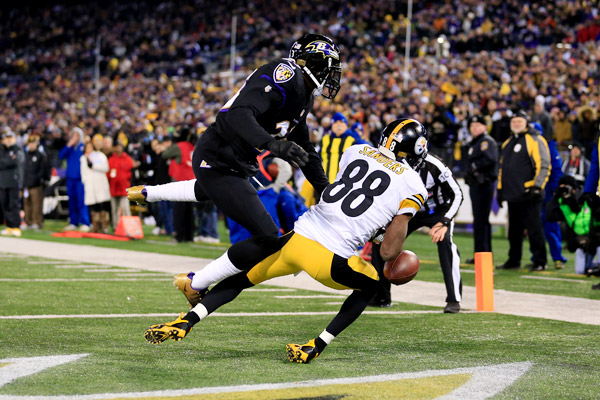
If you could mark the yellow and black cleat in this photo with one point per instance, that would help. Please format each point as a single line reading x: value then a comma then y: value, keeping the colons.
x: 175, y: 330
x: 183, y: 282
x: 302, y: 353
x: 137, y: 194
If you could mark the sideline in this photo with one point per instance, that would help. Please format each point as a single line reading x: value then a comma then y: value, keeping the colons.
x: 561, y: 308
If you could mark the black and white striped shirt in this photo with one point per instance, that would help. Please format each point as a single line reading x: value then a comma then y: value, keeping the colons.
x: 444, y: 194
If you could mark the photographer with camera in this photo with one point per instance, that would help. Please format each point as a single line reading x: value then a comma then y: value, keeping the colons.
x: 583, y: 226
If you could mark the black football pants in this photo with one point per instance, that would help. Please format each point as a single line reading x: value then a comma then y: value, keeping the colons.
x: 235, y: 197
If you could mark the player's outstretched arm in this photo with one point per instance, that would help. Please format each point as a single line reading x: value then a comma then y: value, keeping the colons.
x: 395, y: 234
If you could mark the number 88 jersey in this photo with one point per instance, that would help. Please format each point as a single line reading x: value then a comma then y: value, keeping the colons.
x: 369, y: 191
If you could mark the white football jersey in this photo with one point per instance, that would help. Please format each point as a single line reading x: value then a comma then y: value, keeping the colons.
x: 369, y: 191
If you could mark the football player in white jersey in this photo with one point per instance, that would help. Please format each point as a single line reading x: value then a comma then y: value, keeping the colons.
x: 375, y: 188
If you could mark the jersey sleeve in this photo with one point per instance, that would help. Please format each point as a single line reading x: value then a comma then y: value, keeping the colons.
x: 413, y: 196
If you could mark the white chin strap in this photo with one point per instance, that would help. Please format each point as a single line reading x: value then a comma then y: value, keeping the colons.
x: 318, y: 86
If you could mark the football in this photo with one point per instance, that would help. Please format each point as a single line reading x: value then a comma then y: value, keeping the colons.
x: 402, y: 269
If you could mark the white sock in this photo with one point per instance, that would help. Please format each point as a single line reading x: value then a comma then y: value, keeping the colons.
x: 200, y: 311
x: 174, y: 191
x: 326, y: 336
x: 214, y: 272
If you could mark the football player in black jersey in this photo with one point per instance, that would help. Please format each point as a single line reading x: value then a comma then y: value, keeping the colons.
x: 267, y: 113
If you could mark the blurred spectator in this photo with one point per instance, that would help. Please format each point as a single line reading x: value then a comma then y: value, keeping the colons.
x: 576, y: 165
x: 11, y: 159
x: 162, y: 210
x: 551, y: 228
x: 78, y: 211
x: 501, y: 125
x: 563, y: 131
x: 524, y: 171
x: 335, y: 142
x: 180, y: 169
x: 94, y: 166
x: 541, y: 116
x: 207, y: 221
x: 119, y: 179
x: 588, y: 128
x: 37, y: 174
x: 481, y: 174
x: 107, y: 145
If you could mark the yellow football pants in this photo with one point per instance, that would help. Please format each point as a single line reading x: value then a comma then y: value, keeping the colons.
x: 302, y: 254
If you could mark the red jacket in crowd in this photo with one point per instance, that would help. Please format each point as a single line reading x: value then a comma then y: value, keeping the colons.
x: 119, y: 173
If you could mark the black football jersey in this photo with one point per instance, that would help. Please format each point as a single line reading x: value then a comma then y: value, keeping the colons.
x: 273, y: 103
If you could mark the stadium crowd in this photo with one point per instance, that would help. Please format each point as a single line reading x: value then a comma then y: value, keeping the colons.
x: 138, y: 71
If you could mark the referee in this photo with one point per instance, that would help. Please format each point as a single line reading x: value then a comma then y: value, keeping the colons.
x: 444, y: 199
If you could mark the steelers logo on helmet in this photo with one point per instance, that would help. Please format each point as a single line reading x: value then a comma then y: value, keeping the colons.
x: 420, y: 145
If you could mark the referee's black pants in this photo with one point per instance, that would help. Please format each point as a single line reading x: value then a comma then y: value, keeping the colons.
x: 526, y: 215
x: 481, y: 202
x: 448, y: 254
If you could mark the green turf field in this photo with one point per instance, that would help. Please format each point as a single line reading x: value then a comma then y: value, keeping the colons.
x: 569, y: 285
x: 232, y: 349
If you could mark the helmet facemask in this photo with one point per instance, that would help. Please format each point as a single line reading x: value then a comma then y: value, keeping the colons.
x: 319, y: 59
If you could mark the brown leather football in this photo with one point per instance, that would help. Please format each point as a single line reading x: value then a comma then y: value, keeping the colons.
x: 402, y: 269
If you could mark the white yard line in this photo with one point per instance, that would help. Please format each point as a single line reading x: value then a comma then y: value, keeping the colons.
x: 47, y: 262
x: 216, y: 314
x: 484, y: 382
x: 110, y: 270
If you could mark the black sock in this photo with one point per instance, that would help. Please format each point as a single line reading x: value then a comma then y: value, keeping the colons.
x: 320, y: 344
x: 192, y: 318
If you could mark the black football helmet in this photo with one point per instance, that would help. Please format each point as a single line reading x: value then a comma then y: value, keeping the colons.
x: 404, y: 139
x: 319, y: 58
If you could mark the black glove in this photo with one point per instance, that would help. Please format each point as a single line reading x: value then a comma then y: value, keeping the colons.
x: 288, y: 151
x: 500, y: 197
x: 533, y: 193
